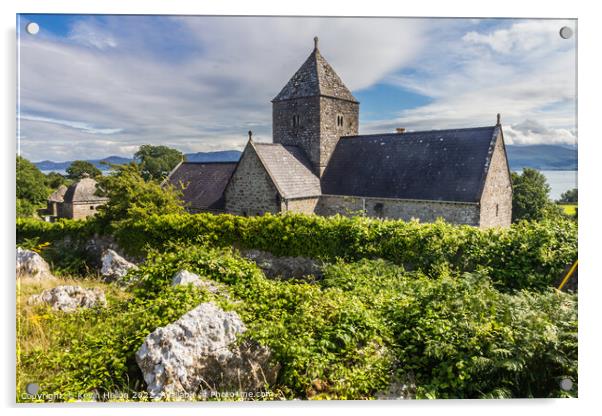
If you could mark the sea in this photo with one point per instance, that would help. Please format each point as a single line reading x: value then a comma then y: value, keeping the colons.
x: 559, y: 180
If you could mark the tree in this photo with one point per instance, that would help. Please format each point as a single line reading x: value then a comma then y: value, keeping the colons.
x: 31, y: 187
x: 157, y: 161
x: 79, y: 167
x: 569, y: 196
x: 55, y: 179
x: 133, y: 198
x: 530, y: 199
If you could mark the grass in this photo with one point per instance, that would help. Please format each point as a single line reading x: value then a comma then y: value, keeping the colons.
x: 33, y: 331
x: 569, y: 209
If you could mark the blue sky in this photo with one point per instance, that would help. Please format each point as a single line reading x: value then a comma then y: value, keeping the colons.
x: 93, y: 86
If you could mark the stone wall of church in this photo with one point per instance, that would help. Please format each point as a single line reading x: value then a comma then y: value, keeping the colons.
x: 317, y: 129
x: 305, y: 132
x: 496, y: 200
x: 331, y: 130
x: 250, y: 190
x: 301, y: 205
x: 425, y: 211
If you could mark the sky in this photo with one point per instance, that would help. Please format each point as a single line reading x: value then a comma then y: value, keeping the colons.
x: 92, y: 86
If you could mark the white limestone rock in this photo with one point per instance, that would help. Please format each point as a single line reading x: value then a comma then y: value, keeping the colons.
x: 114, y: 267
x: 197, y: 355
x: 184, y: 277
x: 31, y: 265
x: 69, y: 298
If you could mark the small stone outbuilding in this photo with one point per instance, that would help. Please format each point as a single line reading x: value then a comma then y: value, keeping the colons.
x: 54, y: 201
x: 77, y: 201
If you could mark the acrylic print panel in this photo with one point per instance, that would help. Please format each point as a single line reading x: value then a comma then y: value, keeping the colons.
x: 267, y: 208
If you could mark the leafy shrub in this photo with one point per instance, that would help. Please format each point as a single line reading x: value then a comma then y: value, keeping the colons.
x: 25, y: 208
x: 131, y: 198
x: 530, y: 196
x: 53, y: 231
x: 31, y: 190
x: 461, y: 338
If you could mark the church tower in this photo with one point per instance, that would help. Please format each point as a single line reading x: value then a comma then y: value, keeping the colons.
x: 313, y: 110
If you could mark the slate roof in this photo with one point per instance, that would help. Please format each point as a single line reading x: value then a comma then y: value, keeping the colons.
x: 315, y: 78
x: 83, y: 191
x: 289, y: 169
x: 442, y: 165
x: 202, y: 184
x: 58, y: 195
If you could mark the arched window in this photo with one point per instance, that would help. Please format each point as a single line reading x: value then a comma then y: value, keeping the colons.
x: 339, y: 120
x: 296, y: 120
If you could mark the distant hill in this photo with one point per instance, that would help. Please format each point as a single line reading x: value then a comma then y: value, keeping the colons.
x: 220, y: 156
x: 542, y: 157
x: 61, y: 166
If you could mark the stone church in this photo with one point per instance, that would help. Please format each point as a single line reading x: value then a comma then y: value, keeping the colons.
x: 318, y: 163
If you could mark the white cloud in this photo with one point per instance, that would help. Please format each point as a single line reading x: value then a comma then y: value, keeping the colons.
x: 533, y: 132
x: 200, y: 83
x: 194, y: 83
x: 73, y: 124
x: 521, y: 37
x: 88, y: 33
x: 523, y: 71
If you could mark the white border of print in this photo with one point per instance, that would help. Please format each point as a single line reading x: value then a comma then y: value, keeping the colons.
x: 589, y: 150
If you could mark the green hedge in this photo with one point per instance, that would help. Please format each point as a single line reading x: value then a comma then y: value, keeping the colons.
x: 526, y: 255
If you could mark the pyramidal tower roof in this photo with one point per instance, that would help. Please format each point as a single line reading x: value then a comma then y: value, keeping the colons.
x: 315, y: 78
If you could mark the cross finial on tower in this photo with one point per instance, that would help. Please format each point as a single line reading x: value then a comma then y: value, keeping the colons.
x: 498, y: 119
x: 315, y: 42
x: 250, y: 135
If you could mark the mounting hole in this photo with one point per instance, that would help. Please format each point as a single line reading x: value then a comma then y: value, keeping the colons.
x: 32, y: 388
x: 566, y: 384
x: 32, y: 28
x: 566, y: 32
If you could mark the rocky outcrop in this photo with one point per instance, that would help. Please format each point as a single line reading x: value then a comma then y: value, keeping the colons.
x: 197, y: 355
x: 399, y: 389
x: 69, y: 298
x: 184, y: 277
x: 114, y: 267
x: 31, y: 265
x: 284, y: 267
